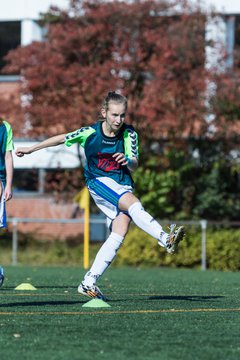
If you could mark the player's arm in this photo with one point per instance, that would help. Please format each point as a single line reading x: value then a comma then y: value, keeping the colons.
x: 9, y: 175
x: 52, y: 141
x: 130, y: 156
x: 132, y: 163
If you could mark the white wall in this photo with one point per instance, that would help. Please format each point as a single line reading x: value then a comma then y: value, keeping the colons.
x: 225, y: 6
x: 30, y: 31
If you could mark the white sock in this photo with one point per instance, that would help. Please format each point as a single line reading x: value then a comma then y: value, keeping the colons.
x: 104, y: 257
x: 147, y: 223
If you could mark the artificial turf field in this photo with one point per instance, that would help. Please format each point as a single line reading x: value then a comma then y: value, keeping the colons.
x: 154, y: 314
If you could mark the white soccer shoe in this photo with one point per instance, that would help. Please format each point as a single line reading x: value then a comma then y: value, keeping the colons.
x: 176, y: 235
x: 91, y: 291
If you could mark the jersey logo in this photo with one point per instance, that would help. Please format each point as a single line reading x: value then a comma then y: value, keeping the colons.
x: 106, y: 162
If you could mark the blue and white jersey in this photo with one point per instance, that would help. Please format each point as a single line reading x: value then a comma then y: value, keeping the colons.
x: 100, y: 148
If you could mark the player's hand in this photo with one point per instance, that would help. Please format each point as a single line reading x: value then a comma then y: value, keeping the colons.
x: 7, y: 193
x: 120, y: 158
x: 22, y: 151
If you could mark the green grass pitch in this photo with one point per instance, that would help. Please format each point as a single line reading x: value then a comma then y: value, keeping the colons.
x: 164, y: 314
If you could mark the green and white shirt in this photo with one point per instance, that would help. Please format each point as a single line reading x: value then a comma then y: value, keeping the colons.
x: 99, y: 149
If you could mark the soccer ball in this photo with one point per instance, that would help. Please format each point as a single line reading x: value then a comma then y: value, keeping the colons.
x: 1, y: 276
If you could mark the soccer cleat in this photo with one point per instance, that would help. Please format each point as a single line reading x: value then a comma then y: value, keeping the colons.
x: 91, y: 291
x: 176, y: 235
x: 1, y: 276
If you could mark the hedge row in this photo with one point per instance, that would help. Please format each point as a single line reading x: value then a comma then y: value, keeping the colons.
x: 139, y: 249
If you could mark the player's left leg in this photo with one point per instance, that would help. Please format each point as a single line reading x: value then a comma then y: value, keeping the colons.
x: 1, y: 276
x: 104, y: 257
x: 129, y: 202
x: 3, y: 222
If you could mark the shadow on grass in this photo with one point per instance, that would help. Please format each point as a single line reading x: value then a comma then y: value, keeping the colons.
x: 7, y: 288
x: 169, y: 297
x: 185, y: 297
x: 57, y: 287
x: 40, y: 303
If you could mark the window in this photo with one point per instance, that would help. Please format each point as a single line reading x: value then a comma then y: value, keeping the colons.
x: 237, y: 41
x: 26, y: 180
x: 10, y: 38
x: 237, y: 30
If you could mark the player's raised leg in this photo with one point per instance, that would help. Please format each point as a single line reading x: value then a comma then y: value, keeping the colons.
x: 147, y: 223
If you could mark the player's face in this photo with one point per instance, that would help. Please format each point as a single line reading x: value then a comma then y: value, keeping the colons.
x: 114, y: 116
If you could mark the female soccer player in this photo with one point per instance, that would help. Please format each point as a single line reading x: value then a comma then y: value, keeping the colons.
x: 6, y: 174
x: 111, y: 149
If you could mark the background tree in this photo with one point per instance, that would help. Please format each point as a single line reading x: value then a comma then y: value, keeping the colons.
x: 154, y: 52
x: 144, y: 48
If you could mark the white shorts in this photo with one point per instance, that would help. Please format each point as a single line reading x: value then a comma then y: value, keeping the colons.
x: 106, y: 193
x: 3, y: 220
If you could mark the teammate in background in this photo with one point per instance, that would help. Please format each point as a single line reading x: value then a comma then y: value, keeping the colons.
x: 6, y: 174
x: 6, y: 168
x: 111, y: 149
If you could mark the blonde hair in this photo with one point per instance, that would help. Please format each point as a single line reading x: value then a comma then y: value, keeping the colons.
x: 114, y: 97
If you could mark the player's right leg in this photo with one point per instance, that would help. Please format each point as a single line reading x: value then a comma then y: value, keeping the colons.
x: 91, y: 291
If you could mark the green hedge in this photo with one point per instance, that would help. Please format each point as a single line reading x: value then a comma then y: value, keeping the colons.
x: 139, y: 249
